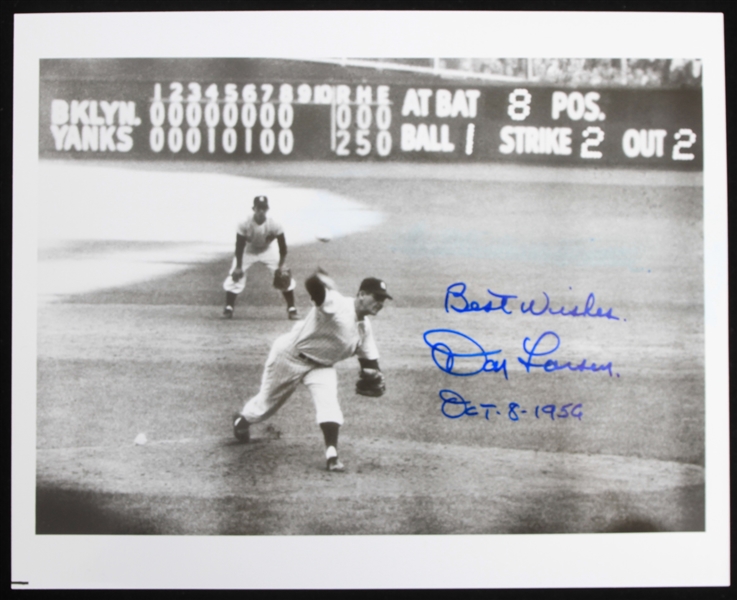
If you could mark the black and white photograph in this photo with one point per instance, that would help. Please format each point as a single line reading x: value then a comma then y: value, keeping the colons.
x: 454, y: 297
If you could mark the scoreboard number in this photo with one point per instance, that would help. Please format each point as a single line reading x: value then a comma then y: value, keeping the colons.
x: 519, y: 104
x: 597, y: 137
x: 681, y: 144
x: 225, y: 112
x: 343, y: 138
x: 262, y: 116
x: 342, y: 118
x: 195, y: 92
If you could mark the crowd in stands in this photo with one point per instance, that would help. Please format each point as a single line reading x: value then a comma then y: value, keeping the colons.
x: 578, y: 72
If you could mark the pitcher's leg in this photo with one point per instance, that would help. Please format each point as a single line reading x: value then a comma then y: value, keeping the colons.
x: 282, y: 373
x: 323, y: 386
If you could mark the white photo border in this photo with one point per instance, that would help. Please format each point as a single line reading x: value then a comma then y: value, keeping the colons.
x: 298, y: 562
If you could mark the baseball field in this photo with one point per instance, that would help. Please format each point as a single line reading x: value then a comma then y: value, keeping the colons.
x: 138, y: 374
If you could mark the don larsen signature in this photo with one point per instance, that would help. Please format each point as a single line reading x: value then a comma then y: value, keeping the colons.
x: 455, y: 300
x: 478, y: 360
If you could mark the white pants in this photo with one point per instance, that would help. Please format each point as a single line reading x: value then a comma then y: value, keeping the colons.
x: 283, y: 372
x: 269, y: 257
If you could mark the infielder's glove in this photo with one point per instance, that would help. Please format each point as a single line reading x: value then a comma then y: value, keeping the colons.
x: 371, y: 382
x: 236, y: 274
x: 282, y: 279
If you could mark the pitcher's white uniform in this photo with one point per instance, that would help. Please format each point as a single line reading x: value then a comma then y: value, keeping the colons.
x: 259, y: 248
x: 330, y: 333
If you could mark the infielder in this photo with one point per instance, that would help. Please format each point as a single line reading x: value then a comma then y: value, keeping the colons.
x: 253, y: 244
x: 335, y: 328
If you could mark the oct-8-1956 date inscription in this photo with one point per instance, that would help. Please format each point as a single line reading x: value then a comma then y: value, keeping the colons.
x: 455, y: 406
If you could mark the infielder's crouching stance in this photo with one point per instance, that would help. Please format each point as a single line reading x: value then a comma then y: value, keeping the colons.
x: 336, y: 328
x: 254, y: 243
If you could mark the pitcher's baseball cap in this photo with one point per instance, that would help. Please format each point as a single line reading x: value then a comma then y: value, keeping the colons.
x: 260, y: 202
x: 374, y: 286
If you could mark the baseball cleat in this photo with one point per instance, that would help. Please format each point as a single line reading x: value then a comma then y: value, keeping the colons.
x: 240, y: 428
x: 292, y: 314
x: 228, y: 312
x: 335, y: 466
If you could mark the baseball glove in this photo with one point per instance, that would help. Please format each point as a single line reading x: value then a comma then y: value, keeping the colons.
x: 236, y: 274
x: 282, y: 279
x: 371, y: 382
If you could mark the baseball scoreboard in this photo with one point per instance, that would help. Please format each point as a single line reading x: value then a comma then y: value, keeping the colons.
x: 276, y: 119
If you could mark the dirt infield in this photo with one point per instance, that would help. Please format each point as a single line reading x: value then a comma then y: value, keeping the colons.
x: 154, y: 357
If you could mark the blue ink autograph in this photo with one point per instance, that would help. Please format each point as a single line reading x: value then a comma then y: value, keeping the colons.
x: 574, y: 312
x: 455, y: 406
x: 445, y: 358
x: 553, y: 365
x: 458, y: 291
x: 480, y: 361
x: 455, y: 300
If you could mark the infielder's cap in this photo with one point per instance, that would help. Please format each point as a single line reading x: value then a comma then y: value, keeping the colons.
x: 260, y: 202
x: 374, y: 286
